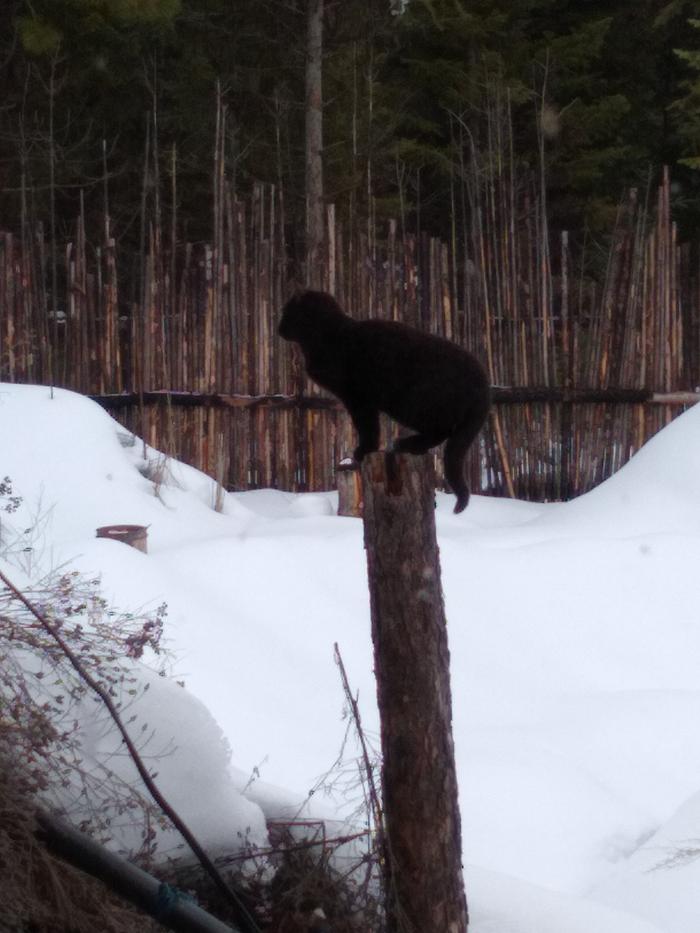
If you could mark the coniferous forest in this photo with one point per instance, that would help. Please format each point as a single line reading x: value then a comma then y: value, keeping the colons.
x: 601, y: 96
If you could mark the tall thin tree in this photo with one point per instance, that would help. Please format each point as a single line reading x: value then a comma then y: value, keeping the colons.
x: 314, y: 142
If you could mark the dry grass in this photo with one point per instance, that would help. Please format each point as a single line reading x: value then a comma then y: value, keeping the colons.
x: 40, y: 893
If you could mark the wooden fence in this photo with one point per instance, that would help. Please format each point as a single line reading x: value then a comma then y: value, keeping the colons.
x: 180, y: 343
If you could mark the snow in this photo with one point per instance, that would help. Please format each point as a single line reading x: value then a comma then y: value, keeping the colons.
x: 574, y: 640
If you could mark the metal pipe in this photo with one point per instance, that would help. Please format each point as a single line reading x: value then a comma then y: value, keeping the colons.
x: 162, y: 901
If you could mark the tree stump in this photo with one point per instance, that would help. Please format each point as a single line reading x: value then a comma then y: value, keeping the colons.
x: 134, y: 535
x: 424, y: 883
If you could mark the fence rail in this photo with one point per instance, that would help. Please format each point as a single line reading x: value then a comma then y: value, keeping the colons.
x: 180, y: 344
x: 502, y: 395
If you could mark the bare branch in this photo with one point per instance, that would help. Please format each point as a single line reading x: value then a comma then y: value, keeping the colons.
x: 238, y: 907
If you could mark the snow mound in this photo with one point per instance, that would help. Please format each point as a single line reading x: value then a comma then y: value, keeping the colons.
x: 500, y: 904
x: 657, y: 488
x: 574, y: 644
x: 661, y: 879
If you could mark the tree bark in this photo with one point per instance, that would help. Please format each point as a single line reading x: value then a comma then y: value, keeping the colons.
x: 314, y: 143
x: 424, y: 884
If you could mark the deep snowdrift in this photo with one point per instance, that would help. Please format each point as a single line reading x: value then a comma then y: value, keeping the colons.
x: 574, y: 636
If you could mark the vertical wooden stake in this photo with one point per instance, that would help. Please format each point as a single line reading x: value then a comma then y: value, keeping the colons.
x: 424, y: 884
x: 347, y: 477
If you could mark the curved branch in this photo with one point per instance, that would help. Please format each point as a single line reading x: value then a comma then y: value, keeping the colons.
x: 240, y: 911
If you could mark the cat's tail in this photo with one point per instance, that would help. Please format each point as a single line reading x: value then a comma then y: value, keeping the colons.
x: 456, y: 450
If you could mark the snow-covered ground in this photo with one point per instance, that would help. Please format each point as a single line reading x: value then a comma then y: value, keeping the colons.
x: 574, y: 634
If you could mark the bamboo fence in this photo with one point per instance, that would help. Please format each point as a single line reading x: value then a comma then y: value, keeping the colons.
x: 181, y: 346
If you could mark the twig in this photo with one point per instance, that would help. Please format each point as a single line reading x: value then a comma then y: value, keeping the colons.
x: 240, y: 911
x: 332, y: 843
x: 373, y: 795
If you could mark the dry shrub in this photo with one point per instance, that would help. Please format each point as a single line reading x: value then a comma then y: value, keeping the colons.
x: 44, y: 700
x: 305, y: 883
x: 309, y: 895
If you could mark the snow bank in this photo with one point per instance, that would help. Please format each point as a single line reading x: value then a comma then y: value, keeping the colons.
x: 574, y: 640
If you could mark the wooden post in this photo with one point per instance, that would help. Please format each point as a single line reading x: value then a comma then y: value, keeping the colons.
x: 347, y: 476
x: 423, y: 873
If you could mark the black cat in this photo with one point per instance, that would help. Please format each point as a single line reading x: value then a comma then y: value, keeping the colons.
x: 423, y: 382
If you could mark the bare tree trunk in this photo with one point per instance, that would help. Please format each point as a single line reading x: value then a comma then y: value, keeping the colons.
x: 424, y: 885
x: 55, y: 375
x: 314, y: 143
